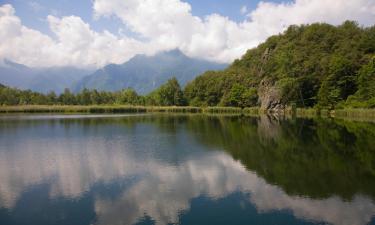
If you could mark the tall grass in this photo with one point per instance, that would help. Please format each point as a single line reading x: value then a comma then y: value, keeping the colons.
x: 71, y: 109
x: 252, y: 111
x: 116, y: 109
x: 222, y: 110
x: 363, y: 113
x: 173, y: 109
x: 299, y: 112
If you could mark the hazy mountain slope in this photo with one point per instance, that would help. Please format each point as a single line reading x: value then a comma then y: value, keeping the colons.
x: 15, y: 75
x: 145, y: 73
x: 57, y: 79
x: 39, y: 79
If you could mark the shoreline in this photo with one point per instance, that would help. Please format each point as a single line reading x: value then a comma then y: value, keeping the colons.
x: 255, y: 111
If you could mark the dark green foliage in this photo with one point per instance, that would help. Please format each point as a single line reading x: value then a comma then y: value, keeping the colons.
x: 240, y: 96
x: 312, y: 64
x: 67, y: 98
x: 340, y: 83
x: 366, y: 81
x: 168, y: 94
x: 290, y: 89
x: 129, y: 97
x: 365, y: 96
x: 206, y: 90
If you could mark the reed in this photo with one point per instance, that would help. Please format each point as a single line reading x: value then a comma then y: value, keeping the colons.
x: 71, y: 109
x: 222, y: 110
x: 173, y: 109
x: 307, y: 112
x: 355, y: 113
x: 253, y: 111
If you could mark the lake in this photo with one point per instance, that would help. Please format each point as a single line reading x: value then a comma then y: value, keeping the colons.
x: 185, y: 169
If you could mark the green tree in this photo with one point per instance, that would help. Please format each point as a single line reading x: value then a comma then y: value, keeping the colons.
x: 67, y: 98
x: 168, y: 94
x: 240, y: 96
x: 51, y: 98
x: 340, y: 83
x: 84, y: 97
x: 366, y: 81
x: 128, y: 96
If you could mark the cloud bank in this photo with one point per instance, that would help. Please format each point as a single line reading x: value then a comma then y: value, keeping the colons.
x: 163, y: 25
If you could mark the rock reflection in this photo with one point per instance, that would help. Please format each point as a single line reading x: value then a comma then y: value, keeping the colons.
x: 73, y: 164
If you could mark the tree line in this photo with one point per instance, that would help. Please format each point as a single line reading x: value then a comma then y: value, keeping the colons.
x: 317, y: 65
x: 168, y: 94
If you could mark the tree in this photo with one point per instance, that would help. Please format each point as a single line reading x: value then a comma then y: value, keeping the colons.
x: 84, y: 97
x: 366, y: 81
x: 51, y: 98
x: 168, y: 94
x: 240, y: 96
x: 67, y: 98
x: 290, y: 90
x: 128, y: 96
x: 339, y: 84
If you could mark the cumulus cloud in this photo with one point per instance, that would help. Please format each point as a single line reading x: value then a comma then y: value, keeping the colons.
x: 164, y: 25
x: 35, y: 6
x: 162, y: 190
x: 218, y: 38
x: 75, y: 43
x: 244, y: 9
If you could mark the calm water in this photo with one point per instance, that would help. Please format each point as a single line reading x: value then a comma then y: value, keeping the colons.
x: 159, y: 169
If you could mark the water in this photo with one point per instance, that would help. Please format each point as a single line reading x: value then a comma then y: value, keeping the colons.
x: 163, y: 169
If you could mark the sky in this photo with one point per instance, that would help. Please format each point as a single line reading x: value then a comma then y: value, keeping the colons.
x: 93, y: 33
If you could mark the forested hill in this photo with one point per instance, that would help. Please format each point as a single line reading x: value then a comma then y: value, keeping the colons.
x: 309, y: 65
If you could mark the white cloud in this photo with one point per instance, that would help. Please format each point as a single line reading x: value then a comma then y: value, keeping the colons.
x: 244, y: 10
x: 35, y: 6
x: 170, y: 22
x: 162, y: 190
x: 163, y: 25
x: 75, y: 43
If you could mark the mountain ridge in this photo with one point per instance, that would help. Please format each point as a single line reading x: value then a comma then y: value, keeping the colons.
x: 145, y: 73
x: 41, y: 80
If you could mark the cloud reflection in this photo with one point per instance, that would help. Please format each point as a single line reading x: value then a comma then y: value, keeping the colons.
x: 162, y: 191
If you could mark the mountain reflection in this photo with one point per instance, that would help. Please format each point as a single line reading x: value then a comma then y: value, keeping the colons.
x: 321, y: 171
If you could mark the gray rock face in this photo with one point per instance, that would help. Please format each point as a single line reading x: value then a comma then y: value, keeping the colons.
x: 270, y: 96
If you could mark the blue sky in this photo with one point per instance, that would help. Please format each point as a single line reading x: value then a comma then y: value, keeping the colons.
x: 93, y: 33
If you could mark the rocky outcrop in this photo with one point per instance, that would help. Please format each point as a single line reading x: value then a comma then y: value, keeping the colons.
x: 270, y: 96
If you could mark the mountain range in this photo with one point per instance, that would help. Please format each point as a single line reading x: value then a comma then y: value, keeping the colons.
x: 145, y: 73
x: 40, y: 79
x: 142, y: 73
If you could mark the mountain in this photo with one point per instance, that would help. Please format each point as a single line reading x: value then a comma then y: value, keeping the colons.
x: 40, y: 79
x: 15, y: 75
x: 309, y: 65
x: 145, y: 73
x: 57, y: 78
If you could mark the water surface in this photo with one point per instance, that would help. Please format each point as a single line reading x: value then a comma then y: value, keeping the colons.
x: 179, y: 169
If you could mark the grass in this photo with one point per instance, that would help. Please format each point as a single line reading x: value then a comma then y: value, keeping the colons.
x: 70, y: 109
x: 300, y: 112
x: 360, y: 113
